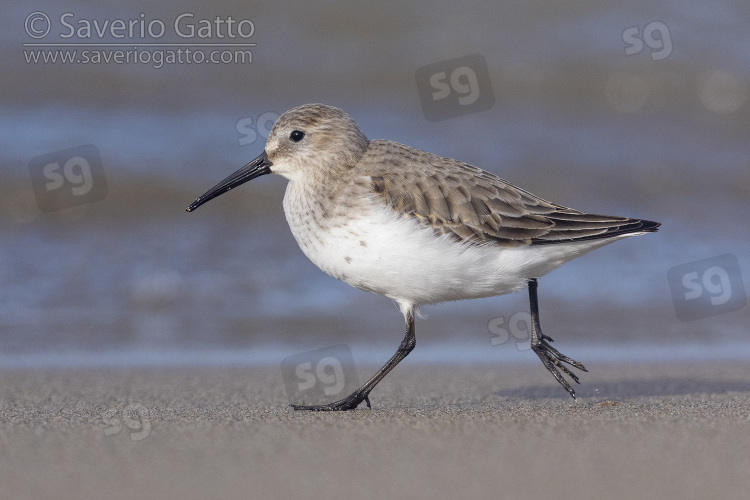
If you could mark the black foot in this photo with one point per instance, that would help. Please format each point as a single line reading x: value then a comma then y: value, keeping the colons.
x: 552, y: 358
x: 348, y: 403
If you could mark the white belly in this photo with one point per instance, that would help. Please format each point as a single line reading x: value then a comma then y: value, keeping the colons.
x: 373, y: 249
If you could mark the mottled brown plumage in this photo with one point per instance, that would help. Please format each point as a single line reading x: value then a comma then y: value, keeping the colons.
x: 477, y: 206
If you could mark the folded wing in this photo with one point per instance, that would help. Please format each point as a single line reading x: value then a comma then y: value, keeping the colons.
x: 479, y: 207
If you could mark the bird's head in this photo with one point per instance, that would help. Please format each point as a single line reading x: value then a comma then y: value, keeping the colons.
x: 309, y: 142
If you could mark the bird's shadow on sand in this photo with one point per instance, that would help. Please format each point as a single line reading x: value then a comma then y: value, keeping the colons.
x: 629, y: 389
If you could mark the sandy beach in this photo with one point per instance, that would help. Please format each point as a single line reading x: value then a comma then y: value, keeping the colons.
x: 435, y: 431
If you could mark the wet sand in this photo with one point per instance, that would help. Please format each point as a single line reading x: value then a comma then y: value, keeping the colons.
x: 488, y: 431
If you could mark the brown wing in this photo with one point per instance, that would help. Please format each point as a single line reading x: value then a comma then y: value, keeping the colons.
x: 474, y: 205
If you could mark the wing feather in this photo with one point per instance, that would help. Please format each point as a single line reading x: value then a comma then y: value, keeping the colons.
x: 476, y: 206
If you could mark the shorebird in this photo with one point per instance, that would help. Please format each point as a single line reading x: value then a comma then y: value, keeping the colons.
x: 416, y: 227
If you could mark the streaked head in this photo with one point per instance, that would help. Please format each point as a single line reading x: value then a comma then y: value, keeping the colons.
x: 310, y: 140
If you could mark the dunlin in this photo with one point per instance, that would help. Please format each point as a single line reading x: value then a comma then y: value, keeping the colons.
x: 417, y: 227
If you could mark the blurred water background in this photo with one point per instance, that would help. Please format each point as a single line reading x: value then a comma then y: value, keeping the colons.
x: 661, y: 134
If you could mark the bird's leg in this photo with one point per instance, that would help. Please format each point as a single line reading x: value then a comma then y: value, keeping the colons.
x: 550, y: 356
x: 354, y: 399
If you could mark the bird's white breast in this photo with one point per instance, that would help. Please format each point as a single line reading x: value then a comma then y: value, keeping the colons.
x: 373, y: 248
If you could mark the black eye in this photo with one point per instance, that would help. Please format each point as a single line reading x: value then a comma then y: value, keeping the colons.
x: 296, y: 135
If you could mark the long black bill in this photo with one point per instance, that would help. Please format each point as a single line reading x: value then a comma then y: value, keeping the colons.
x: 259, y: 166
